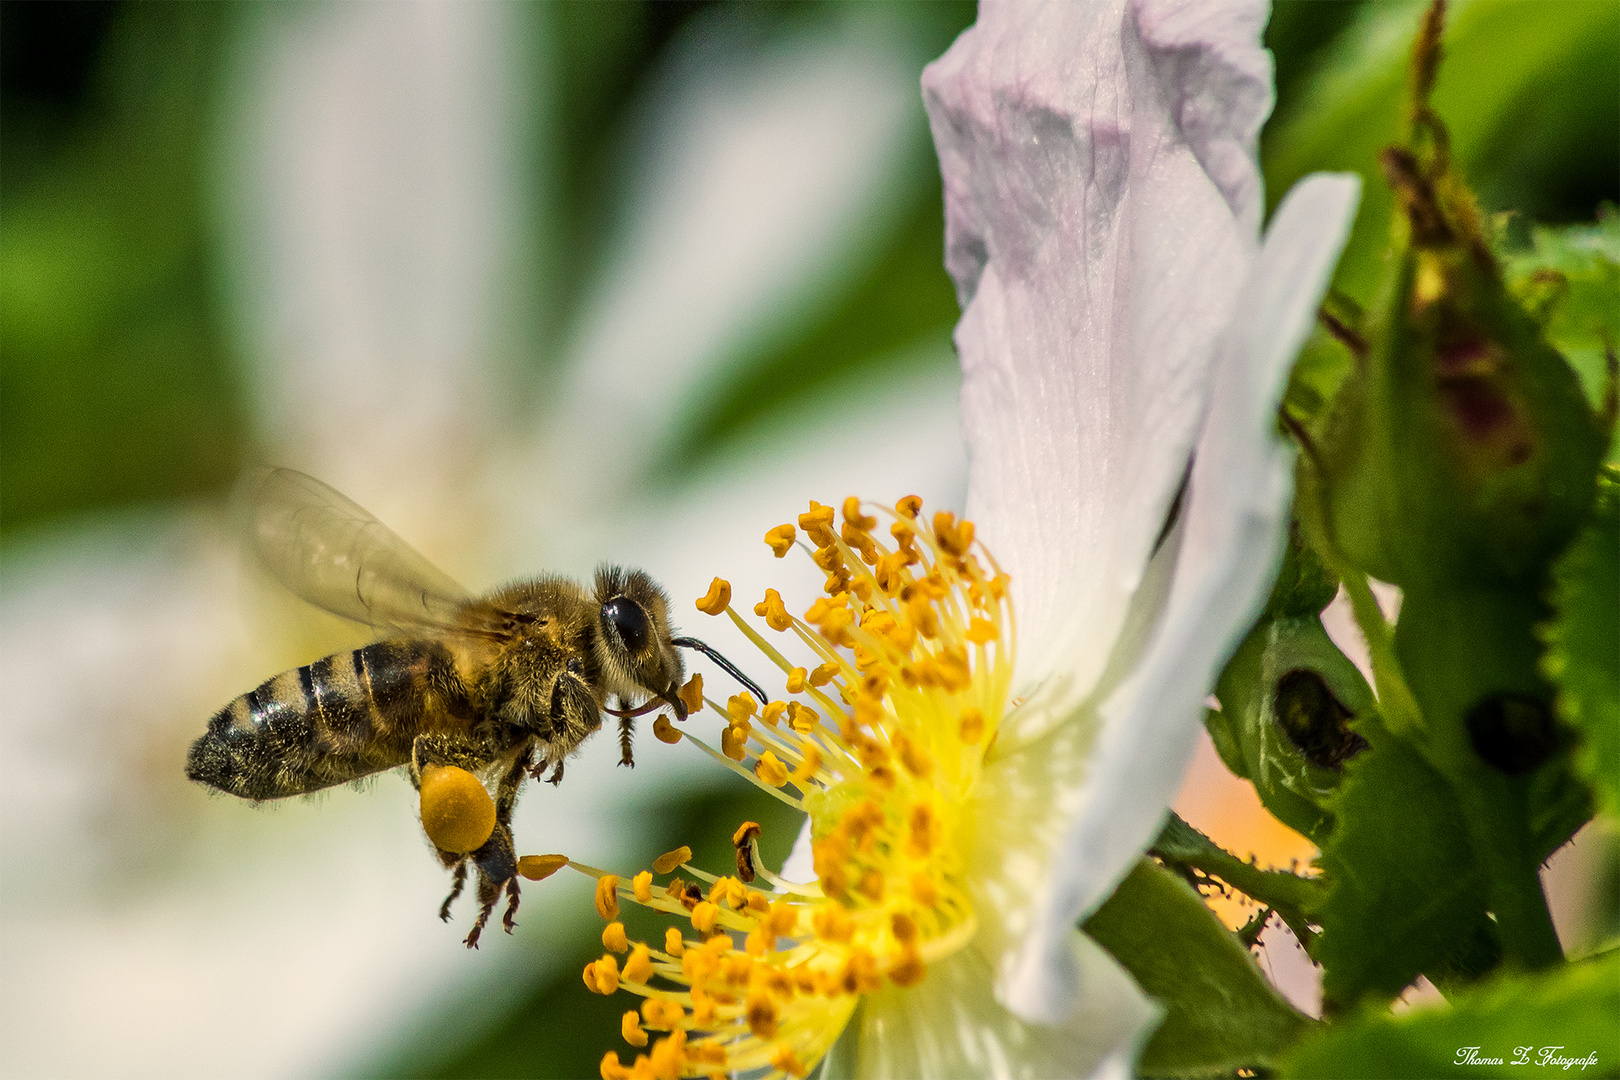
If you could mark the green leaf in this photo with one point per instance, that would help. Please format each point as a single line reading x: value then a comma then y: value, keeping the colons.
x: 1566, y: 1014
x: 1405, y: 893
x: 1583, y: 644
x: 1570, y: 277
x: 1220, y: 1012
x: 1527, y: 90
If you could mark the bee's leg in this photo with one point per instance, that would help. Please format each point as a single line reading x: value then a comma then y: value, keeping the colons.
x: 556, y: 775
x: 497, y: 866
x: 627, y: 734
x: 506, y: 793
x: 456, y: 884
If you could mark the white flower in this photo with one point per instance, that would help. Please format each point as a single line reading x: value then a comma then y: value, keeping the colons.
x: 1123, y: 333
x: 1125, y: 336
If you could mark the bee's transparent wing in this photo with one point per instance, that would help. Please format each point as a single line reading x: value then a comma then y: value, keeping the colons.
x: 329, y: 551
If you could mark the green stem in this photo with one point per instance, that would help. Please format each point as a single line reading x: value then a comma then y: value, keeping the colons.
x: 1289, y: 895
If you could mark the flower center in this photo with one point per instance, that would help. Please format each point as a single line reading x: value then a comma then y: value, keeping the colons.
x: 882, y: 744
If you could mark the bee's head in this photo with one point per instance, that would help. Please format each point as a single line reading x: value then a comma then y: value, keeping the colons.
x: 637, y: 655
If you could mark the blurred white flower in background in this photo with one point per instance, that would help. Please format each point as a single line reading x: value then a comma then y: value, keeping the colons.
x: 374, y: 195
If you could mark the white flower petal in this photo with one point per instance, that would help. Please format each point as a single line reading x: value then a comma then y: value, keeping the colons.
x: 372, y: 173
x: 950, y: 1025
x: 1102, y: 199
x: 1232, y: 536
x: 761, y: 179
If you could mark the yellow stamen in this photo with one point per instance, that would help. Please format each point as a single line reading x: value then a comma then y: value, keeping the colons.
x: 691, y: 694
x: 882, y: 745
x: 717, y: 599
x: 613, y: 939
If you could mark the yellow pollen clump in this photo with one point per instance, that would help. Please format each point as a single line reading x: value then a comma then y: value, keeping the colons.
x: 664, y: 731
x: 901, y: 681
x: 457, y: 813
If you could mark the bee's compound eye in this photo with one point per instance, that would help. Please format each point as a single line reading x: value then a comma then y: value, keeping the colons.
x: 630, y: 620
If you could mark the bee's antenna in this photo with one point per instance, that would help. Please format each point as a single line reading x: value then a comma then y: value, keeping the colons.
x: 726, y: 665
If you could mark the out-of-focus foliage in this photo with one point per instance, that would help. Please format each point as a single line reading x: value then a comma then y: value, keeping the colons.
x: 114, y: 385
x: 1514, y: 1020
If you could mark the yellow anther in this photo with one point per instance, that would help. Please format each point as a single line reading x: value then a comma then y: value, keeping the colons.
x: 704, y: 916
x: 808, y: 767
x: 612, y: 1068
x: 871, y: 885
x: 607, y: 975
x: 613, y: 939
x: 861, y: 542
x: 669, y: 860
x: 909, y: 507
x: 737, y: 967
x: 668, y: 1056
x: 707, y: 1053
x: 771, y: 770
x: 954, y: 538
x: 757, y: 944
x: 607, y: 896
x: 661, y: 1014
x: 923, y: 890
x: 734, y: 742
x: 717, y: 599
x: 801, y: 719
x: 853, y: 515
x: 743, y: 840
x: 860, y: 974
x: 882, y: 777
x: 757, y: 903
x: 904, y: 927
x: 457, y: 813
x: 796, y: 680
x: 673, y: 943
x: 907, y: 969
x: 762, y: 1016
x: 981, y: 631
x: 772, y: 714
x: 971, y: 729
x: 783, y: 919
x: 816, y: 515
x: 704, y: 1008
x: 630, y: 1028
x: 540, y: 867
x: 664, y: 731
x: 835, y: 625
x: 833, y: 924
x: 741, y: 707
x: 829, y: 558
x: 781, y: 539
x: 691, y: 694
x: 912, y: 756
x: 638, y: 969
x: 641, y: 885
x: 783, y: 1058
x: 772, y: 610
x: 824, y: 674
x: 922, y: 831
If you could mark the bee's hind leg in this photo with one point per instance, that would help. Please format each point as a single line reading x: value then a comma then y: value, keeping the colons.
x: 497, y: 866
x: 497, y: 859
x: 456, y: 884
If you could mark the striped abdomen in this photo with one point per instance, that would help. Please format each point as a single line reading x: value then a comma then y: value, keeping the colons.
x: 338, y: 719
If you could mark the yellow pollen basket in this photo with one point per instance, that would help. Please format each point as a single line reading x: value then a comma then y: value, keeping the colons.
x: 882, y: 744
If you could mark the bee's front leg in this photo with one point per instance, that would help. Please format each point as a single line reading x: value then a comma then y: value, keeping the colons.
x: 627, y: 735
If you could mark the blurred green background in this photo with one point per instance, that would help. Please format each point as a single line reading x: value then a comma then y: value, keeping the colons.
x: 118, y: 388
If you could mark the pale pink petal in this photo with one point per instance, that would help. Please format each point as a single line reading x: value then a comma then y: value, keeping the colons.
x: 1102, y: 202
x: 1228, y: 546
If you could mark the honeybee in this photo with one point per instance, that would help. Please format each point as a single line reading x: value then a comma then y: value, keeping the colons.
x: 505, y: 685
